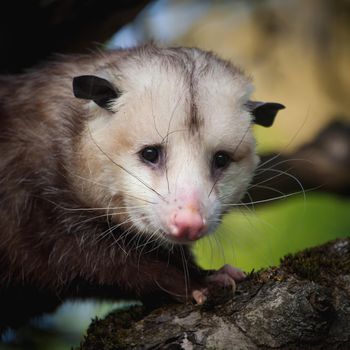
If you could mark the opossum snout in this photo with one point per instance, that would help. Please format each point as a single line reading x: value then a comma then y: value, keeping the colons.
x: 186, y: 221
x: 187, y: 224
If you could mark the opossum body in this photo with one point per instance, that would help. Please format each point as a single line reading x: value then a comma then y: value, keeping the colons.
x: 111, y: 165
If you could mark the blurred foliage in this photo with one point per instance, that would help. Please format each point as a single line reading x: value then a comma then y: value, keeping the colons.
x: 297, y: 53
x: 258, y: 237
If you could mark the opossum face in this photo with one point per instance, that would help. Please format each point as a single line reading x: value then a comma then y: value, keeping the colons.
x: 174, y: 150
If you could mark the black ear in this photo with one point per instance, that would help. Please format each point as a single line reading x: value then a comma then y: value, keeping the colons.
x: 264, y: 112
x: 90, y: 87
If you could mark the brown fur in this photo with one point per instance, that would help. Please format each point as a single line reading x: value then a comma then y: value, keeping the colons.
x: 49, y: 252
x: 50, y: 249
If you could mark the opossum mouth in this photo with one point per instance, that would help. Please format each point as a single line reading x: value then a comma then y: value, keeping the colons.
x: 179, y: 240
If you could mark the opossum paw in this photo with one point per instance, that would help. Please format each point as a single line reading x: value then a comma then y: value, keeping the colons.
x: 227, y: 276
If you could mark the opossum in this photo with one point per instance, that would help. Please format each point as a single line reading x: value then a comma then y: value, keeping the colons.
x: 111, y: 165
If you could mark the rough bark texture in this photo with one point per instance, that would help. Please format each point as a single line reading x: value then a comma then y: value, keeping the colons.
x: 302, y: 304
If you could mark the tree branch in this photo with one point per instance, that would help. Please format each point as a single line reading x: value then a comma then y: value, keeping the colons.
x: 302, y: 304
x: 31, y: 31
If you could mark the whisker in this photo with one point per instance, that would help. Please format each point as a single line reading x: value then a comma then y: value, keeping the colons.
x: 126, y: 170
x: 280, y: 173
x: 251, y: 199
x: 259, y: 168
x: 267, y: 188
x: 290, y: 141
x: 107, y: 232
x: 236, y: 148
x: 185, y: 269
x: 268, y: 199
x: 294, y: 178
x: 149, y: 240
x: 168, y: 291
x: 220, y: 248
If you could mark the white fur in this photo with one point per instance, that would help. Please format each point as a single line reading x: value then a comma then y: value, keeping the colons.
x: 155, y: 102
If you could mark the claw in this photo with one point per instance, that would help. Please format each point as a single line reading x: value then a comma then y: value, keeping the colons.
x: 227, y: 276
x: 223, y: 280
x: 235, y: 273
x: 200, y: 295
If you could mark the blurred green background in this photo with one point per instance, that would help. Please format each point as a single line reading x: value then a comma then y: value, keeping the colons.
x: 298, y: 54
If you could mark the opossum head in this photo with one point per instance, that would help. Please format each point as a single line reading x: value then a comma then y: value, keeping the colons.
x: 168, y: 146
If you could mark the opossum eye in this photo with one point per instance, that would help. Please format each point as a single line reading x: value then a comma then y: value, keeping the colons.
x: 151, y: 154
x: 221, y: 160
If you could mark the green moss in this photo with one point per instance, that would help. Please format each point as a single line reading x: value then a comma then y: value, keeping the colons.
x: 320, y: 264
x: 326, y: 265
x: 110, y: 333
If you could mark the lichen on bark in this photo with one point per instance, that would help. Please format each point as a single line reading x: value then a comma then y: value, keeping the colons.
x: 302, y: 304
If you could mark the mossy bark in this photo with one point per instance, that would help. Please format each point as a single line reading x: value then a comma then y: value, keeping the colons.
x: 302, y: 304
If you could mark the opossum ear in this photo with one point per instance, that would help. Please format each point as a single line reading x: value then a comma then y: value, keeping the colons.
x: 99, y: 90
x: 264, y: 112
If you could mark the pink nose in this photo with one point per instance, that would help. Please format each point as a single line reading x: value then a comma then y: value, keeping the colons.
x: 187, y: 223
